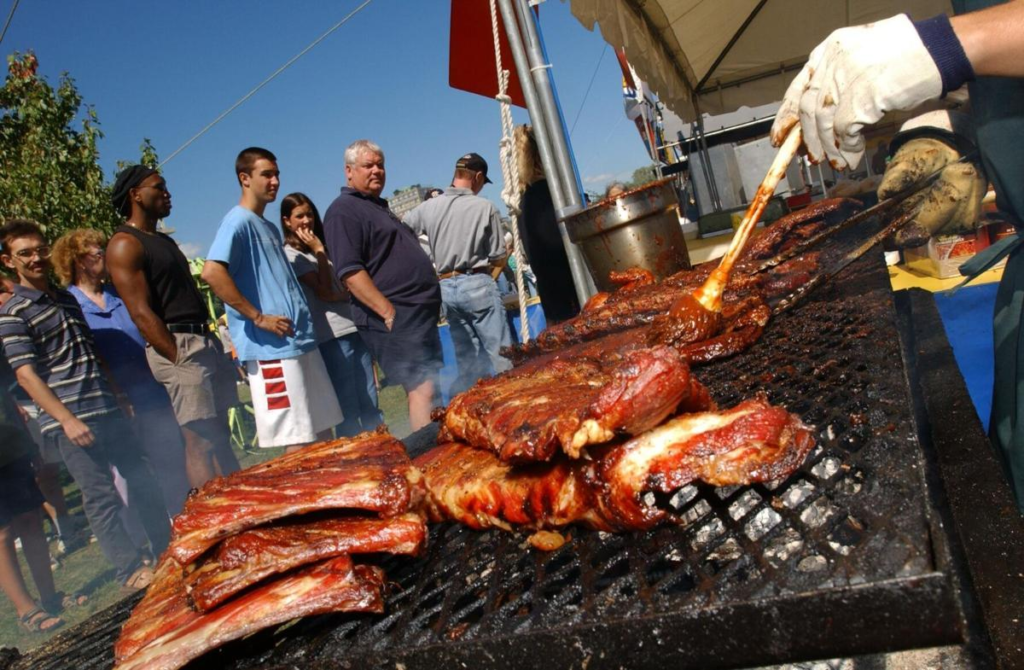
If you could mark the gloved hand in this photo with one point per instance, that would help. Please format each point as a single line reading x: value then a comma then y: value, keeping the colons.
x: 952, y: 204
x: 851, y: 80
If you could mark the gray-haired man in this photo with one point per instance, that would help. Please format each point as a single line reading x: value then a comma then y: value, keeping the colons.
x: 396, y: 297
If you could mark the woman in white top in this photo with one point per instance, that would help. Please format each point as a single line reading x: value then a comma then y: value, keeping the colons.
x: 348, y: 361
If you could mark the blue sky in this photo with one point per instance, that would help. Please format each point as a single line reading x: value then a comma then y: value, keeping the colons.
x: 165, y: 70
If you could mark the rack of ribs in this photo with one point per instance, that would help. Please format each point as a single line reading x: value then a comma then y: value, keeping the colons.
x: 752, y: 442
x: 251, y: 557
x: 371, y: 472
x: 274, y: 542
x: 164, y: 633
x: 640, y: 299
x: 567, y: 403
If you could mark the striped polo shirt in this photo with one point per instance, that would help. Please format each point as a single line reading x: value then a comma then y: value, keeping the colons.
x: 51, y: 333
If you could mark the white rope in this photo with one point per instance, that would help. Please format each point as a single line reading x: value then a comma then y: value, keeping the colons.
x: 510, y: 175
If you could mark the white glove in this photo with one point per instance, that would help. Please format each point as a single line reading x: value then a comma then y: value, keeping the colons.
x: 851, y: 80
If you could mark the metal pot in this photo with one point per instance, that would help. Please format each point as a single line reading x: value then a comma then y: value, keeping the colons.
x: 639, y: 228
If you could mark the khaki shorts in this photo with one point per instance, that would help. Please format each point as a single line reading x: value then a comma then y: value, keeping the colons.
x: 202, y: 383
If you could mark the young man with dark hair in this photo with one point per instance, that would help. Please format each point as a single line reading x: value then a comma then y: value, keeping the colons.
x: 270, y: 323
x: 50, y: 348
x: 153, y: 278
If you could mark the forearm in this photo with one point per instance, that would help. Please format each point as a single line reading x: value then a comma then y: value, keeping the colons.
x: 224, y: 287
x: 324, y: 278
x: 365, y: 291
x: 155, y: 332
x: 42, y: 394
x: 993, y: 39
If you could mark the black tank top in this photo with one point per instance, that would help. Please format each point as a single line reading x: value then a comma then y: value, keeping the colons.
x: 175, y: 297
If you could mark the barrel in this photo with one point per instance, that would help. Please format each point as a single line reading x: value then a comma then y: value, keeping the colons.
x: 639, y: 228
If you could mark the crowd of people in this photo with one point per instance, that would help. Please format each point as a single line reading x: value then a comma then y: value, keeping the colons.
x: 110, y: 355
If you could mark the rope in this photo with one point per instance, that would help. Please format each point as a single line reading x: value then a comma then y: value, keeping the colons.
x: 263, y: 83
x: 510, y: 174
x: 7, y: 24
x: 589, y: 86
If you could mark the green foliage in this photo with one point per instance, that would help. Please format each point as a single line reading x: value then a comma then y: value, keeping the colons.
x: 49, y: 158
x: 642, y: 175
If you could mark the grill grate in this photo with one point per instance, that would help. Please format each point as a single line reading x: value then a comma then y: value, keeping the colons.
x: 838, y: 559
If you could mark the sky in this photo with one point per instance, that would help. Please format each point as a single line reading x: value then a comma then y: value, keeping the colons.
x: 165, y: 70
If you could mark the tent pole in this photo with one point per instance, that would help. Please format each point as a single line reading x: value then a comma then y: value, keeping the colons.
x: 705, y: 158
x: 550, y: 134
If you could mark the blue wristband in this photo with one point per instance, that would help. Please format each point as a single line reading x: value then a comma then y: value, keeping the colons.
x: 945, y: 49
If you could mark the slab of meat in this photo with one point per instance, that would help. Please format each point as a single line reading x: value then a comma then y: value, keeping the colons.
x: 369, y: 472
x: 641, y: 300
x: 250, y: 557
x: 178, y: 635
x: 164, y: 608
x: 529, y: 414
x: 752, y: 442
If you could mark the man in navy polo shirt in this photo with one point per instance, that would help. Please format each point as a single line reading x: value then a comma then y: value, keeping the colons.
x: 50, y: 347
x: 396, y: 296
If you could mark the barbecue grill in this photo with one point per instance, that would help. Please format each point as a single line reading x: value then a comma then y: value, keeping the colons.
x: 856, y: 553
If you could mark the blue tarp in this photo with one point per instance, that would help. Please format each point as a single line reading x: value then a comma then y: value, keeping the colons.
x: 967, y: 318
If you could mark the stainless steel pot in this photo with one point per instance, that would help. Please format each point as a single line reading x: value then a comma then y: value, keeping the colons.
x: 639, y: 228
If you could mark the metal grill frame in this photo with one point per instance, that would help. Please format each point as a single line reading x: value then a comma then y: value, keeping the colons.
x: 883, y: 582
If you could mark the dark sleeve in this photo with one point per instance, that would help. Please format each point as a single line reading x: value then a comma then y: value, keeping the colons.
x: 19, y: 348
x: 347, y: 237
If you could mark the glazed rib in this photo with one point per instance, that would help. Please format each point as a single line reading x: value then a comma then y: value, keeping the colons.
x: 332, y: 586
x: 370, y: 472
x: 752, y: 442
x: 567, y: 404
x: 641, y: 300
x: 250, y: 557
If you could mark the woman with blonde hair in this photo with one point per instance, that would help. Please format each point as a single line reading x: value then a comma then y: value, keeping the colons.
x: 538, y: 229
x: 79, y: 261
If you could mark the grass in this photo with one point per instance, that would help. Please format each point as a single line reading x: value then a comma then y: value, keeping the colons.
x: 87, y: 570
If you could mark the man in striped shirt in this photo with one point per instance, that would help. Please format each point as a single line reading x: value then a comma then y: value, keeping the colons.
x: 50, y: 347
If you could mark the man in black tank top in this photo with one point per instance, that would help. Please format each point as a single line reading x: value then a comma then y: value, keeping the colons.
x: 152, y: 276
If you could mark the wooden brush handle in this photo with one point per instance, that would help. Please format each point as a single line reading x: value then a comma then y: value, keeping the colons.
x: 710, y: 294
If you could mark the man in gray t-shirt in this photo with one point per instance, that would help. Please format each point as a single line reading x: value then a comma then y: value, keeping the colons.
x: 467, y: 247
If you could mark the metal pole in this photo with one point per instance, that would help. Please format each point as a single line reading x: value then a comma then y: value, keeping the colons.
x: 539, y: 72
x: 564, y: 194
x: 540, y: 131
x: 706, y: 158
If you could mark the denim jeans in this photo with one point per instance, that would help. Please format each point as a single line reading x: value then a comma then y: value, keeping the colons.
x: 350, y: 367
x: 476, y: 320
x: 115, y: 445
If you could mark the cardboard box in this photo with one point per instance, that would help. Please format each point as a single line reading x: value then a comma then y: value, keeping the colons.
x: 943, y: 255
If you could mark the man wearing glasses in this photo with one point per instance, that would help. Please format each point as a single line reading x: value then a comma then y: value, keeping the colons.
x: 51, y: 350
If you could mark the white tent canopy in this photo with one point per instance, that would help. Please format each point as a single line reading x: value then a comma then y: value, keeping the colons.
x: 719, y: 55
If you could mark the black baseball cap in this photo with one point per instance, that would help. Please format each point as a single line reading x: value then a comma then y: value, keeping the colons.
x: 475, y: 163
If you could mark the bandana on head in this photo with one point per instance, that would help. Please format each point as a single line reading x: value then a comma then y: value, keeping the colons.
x: 129, y: 178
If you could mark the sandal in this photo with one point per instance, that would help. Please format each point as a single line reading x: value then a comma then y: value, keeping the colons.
x: 36, y: 620
x: 139, y: 580
x: 62, y: 601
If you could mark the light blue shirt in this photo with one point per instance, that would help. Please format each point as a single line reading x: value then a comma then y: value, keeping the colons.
x: 253, y: 250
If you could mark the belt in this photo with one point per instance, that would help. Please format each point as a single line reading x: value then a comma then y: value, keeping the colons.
x: 192, y: 328
x: 456, y: 273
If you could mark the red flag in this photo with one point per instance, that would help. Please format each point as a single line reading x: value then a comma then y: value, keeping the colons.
x: 471, y: 65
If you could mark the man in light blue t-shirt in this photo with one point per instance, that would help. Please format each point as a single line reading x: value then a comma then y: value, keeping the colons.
x: 269, y: 320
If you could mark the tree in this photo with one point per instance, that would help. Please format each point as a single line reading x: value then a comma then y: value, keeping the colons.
x: 49, y: 159
x: 643, y: 175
